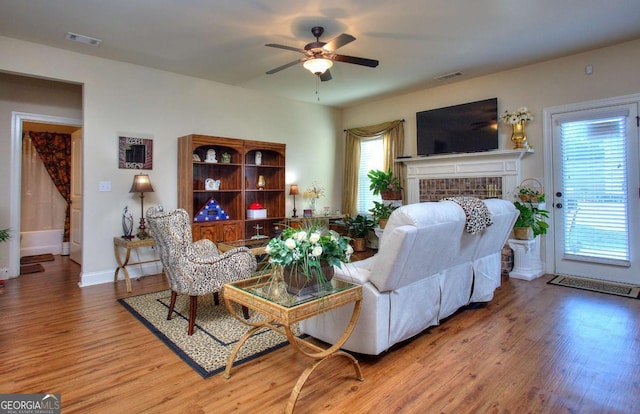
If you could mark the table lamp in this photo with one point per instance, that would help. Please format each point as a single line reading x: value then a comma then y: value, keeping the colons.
x: 141, y: 184
x: 293, y: 190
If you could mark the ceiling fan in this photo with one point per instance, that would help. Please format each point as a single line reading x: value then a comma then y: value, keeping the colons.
x: 319, y: 56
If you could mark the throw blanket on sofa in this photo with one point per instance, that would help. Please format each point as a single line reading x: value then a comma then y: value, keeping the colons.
x: 476, y: 212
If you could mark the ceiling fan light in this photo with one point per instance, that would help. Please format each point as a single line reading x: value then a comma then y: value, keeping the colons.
x: 317, y: 66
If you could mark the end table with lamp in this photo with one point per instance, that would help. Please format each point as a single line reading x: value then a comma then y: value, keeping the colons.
x: 141, y: 184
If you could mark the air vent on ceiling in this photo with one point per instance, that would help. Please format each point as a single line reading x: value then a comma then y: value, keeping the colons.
x: 74, y: 37
x: 448, y: 76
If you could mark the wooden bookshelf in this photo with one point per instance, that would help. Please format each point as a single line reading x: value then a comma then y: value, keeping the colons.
x: 237, y: 188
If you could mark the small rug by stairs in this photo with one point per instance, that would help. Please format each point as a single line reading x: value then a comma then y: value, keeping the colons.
x: 38, y: 258
x: 216, y: 331
x: 31, y: 268
x: 595, y: 285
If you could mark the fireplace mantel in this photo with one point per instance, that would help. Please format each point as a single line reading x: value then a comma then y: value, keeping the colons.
x: 498, y: 163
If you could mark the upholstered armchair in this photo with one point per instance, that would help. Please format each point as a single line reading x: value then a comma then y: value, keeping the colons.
x: 194, y: 268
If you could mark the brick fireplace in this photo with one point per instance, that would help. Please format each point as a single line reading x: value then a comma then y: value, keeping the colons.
x: 434, y: 189
x: 481, y: 174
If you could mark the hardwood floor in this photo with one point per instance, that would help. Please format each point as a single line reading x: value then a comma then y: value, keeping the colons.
x: 535, y: 348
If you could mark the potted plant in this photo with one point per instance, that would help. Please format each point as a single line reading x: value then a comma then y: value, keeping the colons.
x: 385, y: 184
x: 306, y: 256
x: 530, y: 195
x: 530, y: 190
x: 359, y: 227
x: 381, y: 212
x: 531, y: 221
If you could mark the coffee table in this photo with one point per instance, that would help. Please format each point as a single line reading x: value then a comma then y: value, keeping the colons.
x: 282, y: 310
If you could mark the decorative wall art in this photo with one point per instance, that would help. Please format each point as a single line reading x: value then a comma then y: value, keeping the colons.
x: 135, y: 153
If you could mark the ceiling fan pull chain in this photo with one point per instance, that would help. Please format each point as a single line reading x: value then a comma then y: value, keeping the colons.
x: 317, y: 87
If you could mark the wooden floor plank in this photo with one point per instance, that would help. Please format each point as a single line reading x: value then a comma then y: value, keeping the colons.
x: 535, y: 348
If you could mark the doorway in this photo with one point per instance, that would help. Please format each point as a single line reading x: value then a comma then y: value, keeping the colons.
x: 21, y: 123
x: 594, y: 152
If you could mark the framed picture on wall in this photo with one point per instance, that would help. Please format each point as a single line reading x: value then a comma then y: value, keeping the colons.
x: 135, y: 153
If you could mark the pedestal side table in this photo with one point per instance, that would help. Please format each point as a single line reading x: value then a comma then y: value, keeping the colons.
x: 526, y: 259
x: 118, y: 244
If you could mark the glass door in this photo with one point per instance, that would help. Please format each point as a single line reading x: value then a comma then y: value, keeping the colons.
x: 595, y: 194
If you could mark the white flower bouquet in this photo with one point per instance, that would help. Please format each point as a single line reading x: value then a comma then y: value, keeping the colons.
x: 520, y: 115
x: 306, y: 248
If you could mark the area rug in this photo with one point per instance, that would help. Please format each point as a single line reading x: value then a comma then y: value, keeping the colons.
x: 216, y: 331
x: 601, y: 286
x: 38, y: 258
x: 31, y: 268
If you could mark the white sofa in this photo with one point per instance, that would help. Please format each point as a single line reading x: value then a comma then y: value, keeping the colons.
x: 426, y: 268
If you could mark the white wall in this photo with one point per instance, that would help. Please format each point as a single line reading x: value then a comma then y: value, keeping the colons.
x: 120, y: 97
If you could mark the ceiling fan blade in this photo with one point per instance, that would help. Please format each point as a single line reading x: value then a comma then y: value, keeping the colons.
x: 283, y: 67
x: 326, y: 76
x: 338, y: 41
x: 355, y: 60
x: 295, y: 49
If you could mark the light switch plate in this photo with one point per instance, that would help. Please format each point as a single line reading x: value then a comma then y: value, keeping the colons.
x: 104, y: 186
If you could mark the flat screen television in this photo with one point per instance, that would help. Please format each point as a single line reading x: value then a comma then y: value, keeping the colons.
x: 470, y: 127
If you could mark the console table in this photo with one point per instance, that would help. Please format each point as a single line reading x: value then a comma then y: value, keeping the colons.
x: 255, y: 246
x: 281, y: 311
x: 128, y: 245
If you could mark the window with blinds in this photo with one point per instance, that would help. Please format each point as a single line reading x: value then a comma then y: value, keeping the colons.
x: 594, y: 189
x: 370, y: 159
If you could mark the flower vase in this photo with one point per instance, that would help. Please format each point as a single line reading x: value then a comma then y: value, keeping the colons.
x: 313, y: 206
x: 300, y: 284
x: 276, y: 288
x: 518, y: 136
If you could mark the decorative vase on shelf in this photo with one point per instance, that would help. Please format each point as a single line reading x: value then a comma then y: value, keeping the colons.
x: 261, y: 182
x: 518, y: 136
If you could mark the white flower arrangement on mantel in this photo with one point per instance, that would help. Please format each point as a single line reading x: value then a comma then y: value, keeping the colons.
x: 520, y: 115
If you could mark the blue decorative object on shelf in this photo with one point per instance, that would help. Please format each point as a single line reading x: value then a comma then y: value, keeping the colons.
x: 211, y: 211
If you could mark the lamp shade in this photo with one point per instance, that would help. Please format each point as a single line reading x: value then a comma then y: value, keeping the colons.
x: 141, y: 184
x: 293, y: 189
x: 317, y: 66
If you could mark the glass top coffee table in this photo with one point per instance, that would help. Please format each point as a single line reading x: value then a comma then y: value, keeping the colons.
x: 281, y: 310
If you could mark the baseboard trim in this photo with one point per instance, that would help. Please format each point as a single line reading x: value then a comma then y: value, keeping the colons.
x: 106, y: 276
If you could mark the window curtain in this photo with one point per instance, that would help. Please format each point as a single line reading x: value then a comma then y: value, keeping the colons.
x: 393, y: 145
x: 55, y: 152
